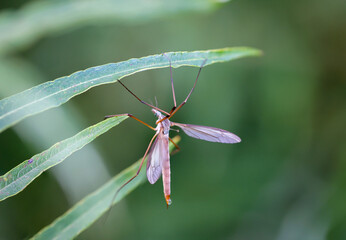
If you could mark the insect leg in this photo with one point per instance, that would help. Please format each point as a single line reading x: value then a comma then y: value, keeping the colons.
x: 138, y: 171
x: 170, y: 70
x: 177, y: 148
x: 152, y: 106
x: 188, y: 96
x: 131, y: 116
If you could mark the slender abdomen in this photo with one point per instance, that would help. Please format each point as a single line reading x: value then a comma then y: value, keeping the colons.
x: 166, y: 175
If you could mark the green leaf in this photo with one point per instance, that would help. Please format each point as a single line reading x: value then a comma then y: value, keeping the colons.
x: 52, y: 94
x: 20, y: 28
x: 37, y: 133
x: 89, y: 209
x: 21, y: 176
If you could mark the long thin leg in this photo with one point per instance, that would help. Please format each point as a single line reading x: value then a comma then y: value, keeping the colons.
x: 138, y: 171
x: 177, y: 148
x: 188, y: 96
x: 131, y: 116
x: 170, y: 70
x: 152, y: 106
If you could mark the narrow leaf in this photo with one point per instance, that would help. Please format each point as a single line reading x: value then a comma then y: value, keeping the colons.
x: 91, y: 208
x: 38, y: 132
x: 52, y: 94
x: 21, y: 176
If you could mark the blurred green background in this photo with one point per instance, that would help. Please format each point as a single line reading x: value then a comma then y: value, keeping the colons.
x: 286, y: 180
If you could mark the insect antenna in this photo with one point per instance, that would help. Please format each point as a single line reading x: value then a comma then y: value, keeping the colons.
x: 157, y: 104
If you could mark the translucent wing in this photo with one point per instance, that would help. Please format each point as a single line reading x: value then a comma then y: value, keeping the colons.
x: 210, y: 134
x: 157, y: 153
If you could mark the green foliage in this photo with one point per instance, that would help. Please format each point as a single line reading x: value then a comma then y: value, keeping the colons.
x: 52, y: 94
x: 91, y: 208
x: 21, y: 27
x: 286, y: 180
x: 21, y: 176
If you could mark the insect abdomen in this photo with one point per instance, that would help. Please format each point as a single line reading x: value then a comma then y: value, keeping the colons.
x: 166, y: 177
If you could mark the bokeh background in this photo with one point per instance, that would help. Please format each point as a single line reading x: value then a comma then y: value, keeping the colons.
x: 286, y: 180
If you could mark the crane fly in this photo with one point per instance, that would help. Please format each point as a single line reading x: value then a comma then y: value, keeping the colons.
x: 157, y: 152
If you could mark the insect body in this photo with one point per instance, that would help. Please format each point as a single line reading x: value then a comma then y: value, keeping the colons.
x: 158, y: 157
x: 158, y: 162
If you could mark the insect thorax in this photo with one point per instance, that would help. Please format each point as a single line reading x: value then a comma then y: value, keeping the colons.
x: 164, y: 125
